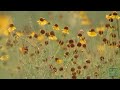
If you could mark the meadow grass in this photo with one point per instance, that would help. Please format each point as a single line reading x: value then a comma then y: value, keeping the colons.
x: 31, y: 58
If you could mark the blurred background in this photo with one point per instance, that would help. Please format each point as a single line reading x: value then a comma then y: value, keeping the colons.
x: 25, y: 18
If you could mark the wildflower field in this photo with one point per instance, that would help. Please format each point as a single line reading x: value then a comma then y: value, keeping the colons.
x: 60, y: 45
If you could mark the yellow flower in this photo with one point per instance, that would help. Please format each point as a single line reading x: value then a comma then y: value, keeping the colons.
x: 40, y: 37
x: 82, y: 41
x: 102, y: 28
x: 5, y: 21
x: 5, y: 32
x: 4, y: 57
x: 32, y: 34
x: 82, y: 14
x: 85, y: 22
x: 65, y: 30
x: 108, y: 16
x: 92, y: 33
x: 101, y: 49
x: 114, y: 15
x: 23, y: 50
x: 59, y: 61
x: 52, y: 37
x: 11, y: 28
x: 42, y: 21
x: 56, y: 27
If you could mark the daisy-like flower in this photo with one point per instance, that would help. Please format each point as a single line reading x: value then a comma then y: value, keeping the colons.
x: 56, y: 27
x: 82, y: 41
x: 11, y: 28
x: 85, y: 21
x: 52, y: 36
x: 79, y: 35
x: 82, y: 14
x: 109, y: 16
x: 115, y: 15
x: 32, y: 34
x: 23, y: 50
x: 100, y: 30
x: 65, y: 30
x: 5, y: 21
x: 58, y: 61
x: 40, y: 37
x: 4, y: 57
x: 112, y: 16
x: 42, y: 21
x: 101, y: 49
x: 92, y: 33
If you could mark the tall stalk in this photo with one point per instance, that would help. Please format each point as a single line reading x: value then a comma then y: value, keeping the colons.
x: 118, y: 29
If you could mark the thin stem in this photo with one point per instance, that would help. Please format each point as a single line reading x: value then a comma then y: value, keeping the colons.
x: 29, y: 42
x: 118, y: 29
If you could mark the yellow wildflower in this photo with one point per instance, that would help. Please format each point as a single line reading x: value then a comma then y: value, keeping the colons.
x: 65, y: 30
x: 108, y: 16
x: 32, y: 34
x: 11, y: 28
x: 5, y: 21
x: 56, y: 27
x: 85, y: 22
x: 52, y: 37
x: 82, y: 41
x: 114, y: 15
x: 101, y: 49
x: 59, y: 61
x: 5, y: 32
x: 4, y: 57
x: 82, y: 14
x: 102, y: 28
x: 23, y: 50
x: 92, y: 33
x: 40, y: 37
x: 42, y: 21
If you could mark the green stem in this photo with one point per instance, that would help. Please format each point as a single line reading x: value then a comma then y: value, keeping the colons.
x: 57, y: 51
x: 28, y: 42
x: 118, y: 29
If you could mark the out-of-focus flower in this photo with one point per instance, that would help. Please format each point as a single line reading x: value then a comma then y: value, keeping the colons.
x: 23, y: 50
x: 101, y: 49
x: 42, y: 21
x: 4, y: 57
x: 56, y: 27
x: 112, y: 16
x: 92, y: 33
x: 59, y: 61
x: 52, y: 36
x: 82, y: 14
x: 32, y: 34
x: 65, y: 30
x: 11, y: 28
x: 82, y: 41
x: 102, y: 28
x: 85, y: 21
x: 5, y: 21
x: 40, y: 37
